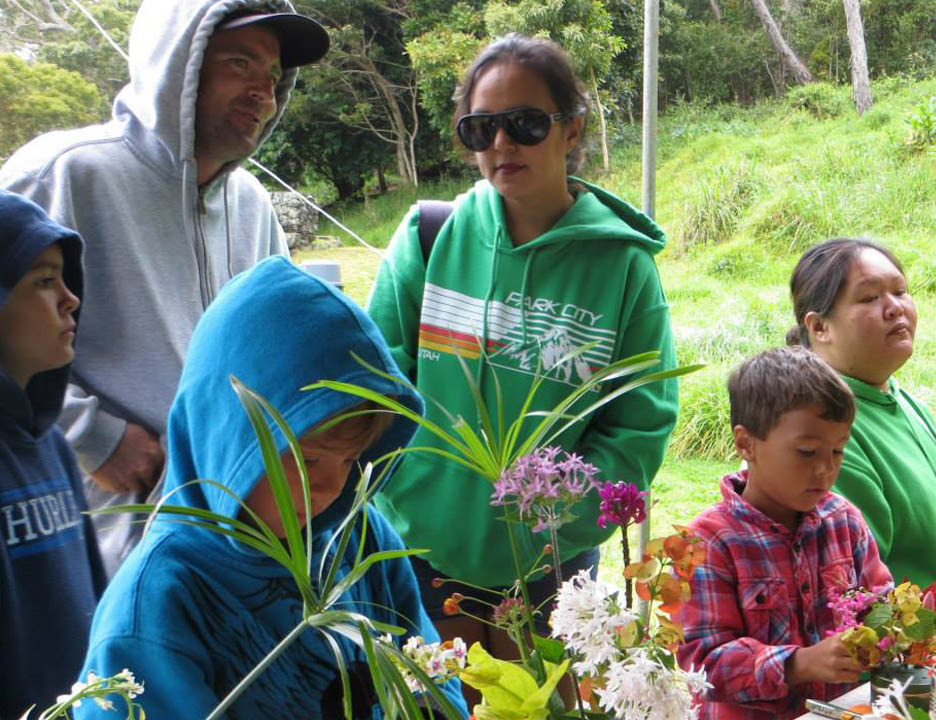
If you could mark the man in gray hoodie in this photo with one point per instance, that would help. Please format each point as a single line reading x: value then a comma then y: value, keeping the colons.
x: 168, y: 215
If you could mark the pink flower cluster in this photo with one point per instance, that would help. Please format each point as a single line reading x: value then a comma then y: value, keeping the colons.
x: 849, y: 606
x: 621, y: 504
x: 542, y: 487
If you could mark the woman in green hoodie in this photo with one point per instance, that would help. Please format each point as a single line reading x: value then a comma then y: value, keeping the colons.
x: 531, y: 264
x: 853, y: 309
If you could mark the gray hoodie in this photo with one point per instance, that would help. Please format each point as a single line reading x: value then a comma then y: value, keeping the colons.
x: 158, y: 247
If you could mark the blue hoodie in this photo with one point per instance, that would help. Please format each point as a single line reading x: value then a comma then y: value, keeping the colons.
x: 192, y: 612
x: 50, y: 572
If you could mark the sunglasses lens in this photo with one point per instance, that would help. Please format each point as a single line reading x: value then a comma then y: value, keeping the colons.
x: 477, y: 131
x: 527, y: 127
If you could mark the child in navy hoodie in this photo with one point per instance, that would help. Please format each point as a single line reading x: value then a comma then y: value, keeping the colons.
x: 50, y: 572
x: 191, y: 612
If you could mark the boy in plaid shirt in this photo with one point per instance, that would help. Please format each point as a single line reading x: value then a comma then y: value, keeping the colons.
x: 777, y: 544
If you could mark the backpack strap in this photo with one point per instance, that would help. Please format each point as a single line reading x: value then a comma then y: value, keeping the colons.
x: 432, y: 215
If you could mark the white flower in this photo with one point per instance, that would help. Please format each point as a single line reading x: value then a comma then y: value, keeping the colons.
x: 104, y: 703
x: 639, y: 688
x: 585, y: 618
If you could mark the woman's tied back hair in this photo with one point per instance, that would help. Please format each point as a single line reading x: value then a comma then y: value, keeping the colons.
x: 782, y: 379
x: 546, y: 59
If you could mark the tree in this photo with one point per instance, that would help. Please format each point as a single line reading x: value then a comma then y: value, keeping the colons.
x: 310, y: 140
x: 790, y: 60
x: 38, y: 97
x: 367, y: 61
x: 861, y: 85
x: 69, y: 39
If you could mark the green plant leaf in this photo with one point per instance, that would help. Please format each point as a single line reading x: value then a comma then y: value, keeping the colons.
x: 923, y: 629
x: 878, y: 616
x: 550, y: 649
x: 347, y: 696
x: 357, y: 572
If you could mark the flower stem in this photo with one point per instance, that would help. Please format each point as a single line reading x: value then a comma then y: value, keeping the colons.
x: 628, y: 583
x: 524, y: 650
x: 554, y: 540
x: 257, y: 671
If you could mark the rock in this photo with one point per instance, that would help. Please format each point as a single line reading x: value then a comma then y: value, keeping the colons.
x: 299, y: 219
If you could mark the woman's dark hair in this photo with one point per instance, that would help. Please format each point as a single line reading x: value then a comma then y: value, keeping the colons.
x: 820, y: 276
x: 546, y: 59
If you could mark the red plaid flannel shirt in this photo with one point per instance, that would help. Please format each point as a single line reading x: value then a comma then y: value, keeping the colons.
x: 762, y: 593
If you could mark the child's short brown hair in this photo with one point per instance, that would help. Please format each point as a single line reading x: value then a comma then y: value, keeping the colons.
x: 782, y: 379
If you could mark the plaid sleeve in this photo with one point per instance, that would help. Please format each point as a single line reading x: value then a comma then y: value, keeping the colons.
x: 740, y: 668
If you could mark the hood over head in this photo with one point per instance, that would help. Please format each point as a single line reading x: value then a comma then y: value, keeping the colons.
x: 276, y: 329
x: 25, y: 231
x: 167, y: 45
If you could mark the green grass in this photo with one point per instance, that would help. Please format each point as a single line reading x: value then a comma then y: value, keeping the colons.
x: 741, y: 193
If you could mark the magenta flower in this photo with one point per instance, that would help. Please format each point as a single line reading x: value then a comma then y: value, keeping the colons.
x: 542, y: 487
x: 621, y: 504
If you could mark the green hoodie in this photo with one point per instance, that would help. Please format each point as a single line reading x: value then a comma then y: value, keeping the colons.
x: 590, y: 278
x: 889, y: 473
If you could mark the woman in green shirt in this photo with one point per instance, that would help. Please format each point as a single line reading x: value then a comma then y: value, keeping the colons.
x: 853, y: 309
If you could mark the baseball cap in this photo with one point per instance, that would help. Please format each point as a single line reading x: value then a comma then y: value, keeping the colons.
x: 302, y: 40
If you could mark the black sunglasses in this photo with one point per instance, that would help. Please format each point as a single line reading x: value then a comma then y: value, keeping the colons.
x: 527, y: 126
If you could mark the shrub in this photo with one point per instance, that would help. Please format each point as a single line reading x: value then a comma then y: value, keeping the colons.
x: 820, y: 99
x: 922, y: 122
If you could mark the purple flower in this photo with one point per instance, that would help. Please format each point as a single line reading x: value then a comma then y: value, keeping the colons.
x: 542, y: 487
x: 621, y: 504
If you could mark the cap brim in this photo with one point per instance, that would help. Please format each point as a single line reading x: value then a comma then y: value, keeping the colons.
x: 302, y: 40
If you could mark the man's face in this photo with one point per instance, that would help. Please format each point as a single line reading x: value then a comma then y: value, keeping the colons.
x: 236, y: 97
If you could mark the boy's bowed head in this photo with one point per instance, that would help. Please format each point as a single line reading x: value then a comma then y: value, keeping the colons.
x: 791, y: 416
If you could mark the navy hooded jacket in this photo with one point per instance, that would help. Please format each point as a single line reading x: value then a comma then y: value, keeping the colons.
x: 50, y: 571
x: 191, y: 612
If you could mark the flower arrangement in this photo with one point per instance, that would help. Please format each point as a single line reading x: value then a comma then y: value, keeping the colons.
x: 886, y: 625
x: 623, y: 659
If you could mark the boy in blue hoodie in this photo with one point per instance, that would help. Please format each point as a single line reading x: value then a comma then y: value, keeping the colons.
x: 191, y: 612
x: 50, y: 572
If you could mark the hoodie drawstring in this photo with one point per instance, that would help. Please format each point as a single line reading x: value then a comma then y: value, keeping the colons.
x: 527, y: 265
x: 495, y: 261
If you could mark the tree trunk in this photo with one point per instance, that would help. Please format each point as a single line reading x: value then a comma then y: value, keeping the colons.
x: 861, y: 85
x: 602, y: 124
x: 716, y: 10
x: 800, y: 73
x: 381, y: 181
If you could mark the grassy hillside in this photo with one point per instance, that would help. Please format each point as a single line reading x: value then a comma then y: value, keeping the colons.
x: 741, y: 193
